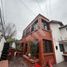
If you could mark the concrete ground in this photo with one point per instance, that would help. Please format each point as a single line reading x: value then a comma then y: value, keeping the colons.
x: 63, y: 64
x: 17, y: 62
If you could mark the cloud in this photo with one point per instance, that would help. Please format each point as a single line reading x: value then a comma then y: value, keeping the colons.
x: 39, y: 1
x: 22, y: 12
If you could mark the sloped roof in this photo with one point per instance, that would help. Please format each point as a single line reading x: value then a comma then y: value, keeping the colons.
x: 65, y: 26
x: 56, y: 22
x: 39, y: 15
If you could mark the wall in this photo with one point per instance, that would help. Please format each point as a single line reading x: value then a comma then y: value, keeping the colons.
x: 1, y: 45
x: 56, y: 38
x: 63, y: 32
x: 65, y: 47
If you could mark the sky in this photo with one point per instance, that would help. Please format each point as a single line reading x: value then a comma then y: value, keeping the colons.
x: 22, y: 12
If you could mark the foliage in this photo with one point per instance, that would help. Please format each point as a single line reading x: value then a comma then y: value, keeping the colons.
x: 18, y: 45
x: 8, y: 30
x: 33, y: 48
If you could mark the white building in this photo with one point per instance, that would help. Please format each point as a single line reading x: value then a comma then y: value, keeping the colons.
x: 2, y: 41
x: 59, y: 34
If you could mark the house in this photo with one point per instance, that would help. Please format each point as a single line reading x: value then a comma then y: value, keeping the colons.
x: 42, y: 40
x: 2, y: 41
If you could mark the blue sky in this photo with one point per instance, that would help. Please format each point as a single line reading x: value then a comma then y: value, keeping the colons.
x: 22, y: 12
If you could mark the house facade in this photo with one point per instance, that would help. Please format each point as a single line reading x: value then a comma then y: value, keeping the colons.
x: 2, y: 41
x: 42, y: 40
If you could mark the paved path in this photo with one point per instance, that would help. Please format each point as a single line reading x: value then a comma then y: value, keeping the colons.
x: 63, y: 64
x: 17, y: 62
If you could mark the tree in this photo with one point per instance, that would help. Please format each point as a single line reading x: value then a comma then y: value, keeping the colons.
x: 8, y: 30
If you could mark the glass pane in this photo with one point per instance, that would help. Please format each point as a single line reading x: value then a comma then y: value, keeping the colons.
x: 47, y: 46
x: 34, y: 49
x: 35, y: 26
x: 45, y: 25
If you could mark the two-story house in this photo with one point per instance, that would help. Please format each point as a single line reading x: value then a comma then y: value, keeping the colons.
x: 44, y: 39
x: 39, y: 33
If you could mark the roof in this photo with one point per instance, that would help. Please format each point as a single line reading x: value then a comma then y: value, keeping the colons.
x: 56, y: 22
x: 42, y: 16
x: 65, y: 26
x: 39, y: 15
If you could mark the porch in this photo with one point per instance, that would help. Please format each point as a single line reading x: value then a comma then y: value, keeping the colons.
x: 19, y: 62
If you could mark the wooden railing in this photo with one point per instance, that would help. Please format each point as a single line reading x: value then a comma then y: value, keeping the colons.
x: 30, y: 62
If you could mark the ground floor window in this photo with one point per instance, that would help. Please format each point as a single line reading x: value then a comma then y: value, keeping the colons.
x: 61, y: 47
x: 47, y: 46
x: 34, y: 49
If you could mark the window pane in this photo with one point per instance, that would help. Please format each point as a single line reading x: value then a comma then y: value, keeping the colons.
x: 28, y: 31
x: 35, y: 26
x: 47, y: 46
x: 45, y: 25
x: 61, y: 47
x: 34, y: 49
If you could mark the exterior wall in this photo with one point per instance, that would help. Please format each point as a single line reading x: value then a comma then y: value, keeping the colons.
x: 63, y: 32
x: 1, y: 45
x: 65, y: 47
x: 56, y: 38
x: 41, y: 34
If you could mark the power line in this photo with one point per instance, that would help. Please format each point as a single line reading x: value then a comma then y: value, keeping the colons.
x: 26, y: 6
x: 46, y: 7
x: 39, y: 6
x: 49, y: 6
x: 2, y: 11
x: 2, y: 18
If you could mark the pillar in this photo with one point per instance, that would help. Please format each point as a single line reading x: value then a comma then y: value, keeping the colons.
x: 41, y: 52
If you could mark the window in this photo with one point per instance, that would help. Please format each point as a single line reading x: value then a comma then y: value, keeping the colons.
x: 47, y: 46
x: 66, y: 29
x: 61, y: 47
x: 34, y: 49
x: 35, y: 26
x: 24, y: 33
x: 28, y: 31
x: 45, y: 25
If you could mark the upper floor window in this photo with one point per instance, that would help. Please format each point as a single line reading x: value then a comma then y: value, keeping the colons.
x: 45, y: 25
x: 24, y: 33
x: 34, y: 26
x: 28, y: 31
x: 47, y: 46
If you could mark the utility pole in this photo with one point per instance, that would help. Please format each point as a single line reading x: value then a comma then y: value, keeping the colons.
x: 2, y: 18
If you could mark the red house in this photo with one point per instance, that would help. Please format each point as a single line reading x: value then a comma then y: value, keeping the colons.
x: 37, y: 41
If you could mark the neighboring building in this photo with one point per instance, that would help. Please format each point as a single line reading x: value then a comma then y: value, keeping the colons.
x: 2, y: 41
x: 55, y: 25
x: 43, y: 38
